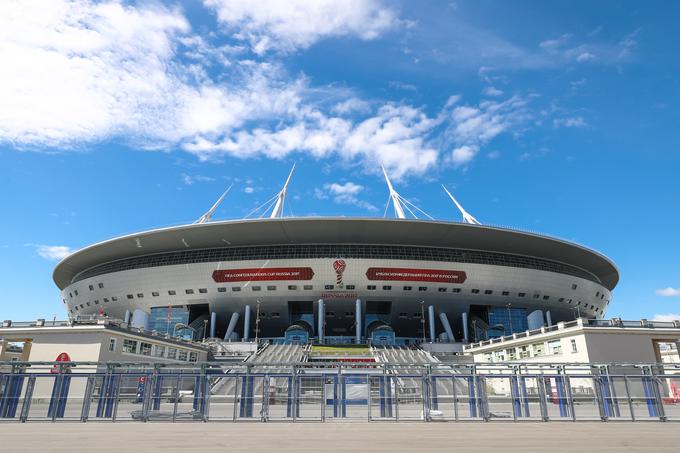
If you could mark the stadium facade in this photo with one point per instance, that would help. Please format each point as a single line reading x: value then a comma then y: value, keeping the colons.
x: 338, y: 280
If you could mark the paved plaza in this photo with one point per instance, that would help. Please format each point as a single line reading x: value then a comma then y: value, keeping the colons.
x: 341, y: 437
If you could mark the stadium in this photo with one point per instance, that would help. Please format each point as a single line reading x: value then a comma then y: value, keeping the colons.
x: 337, y: 280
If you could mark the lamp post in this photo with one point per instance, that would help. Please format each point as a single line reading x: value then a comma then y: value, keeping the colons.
x: 422, y: 317
x: 205, y: 328
x: 257, y: 322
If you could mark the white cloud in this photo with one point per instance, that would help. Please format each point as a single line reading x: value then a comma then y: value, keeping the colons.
x: 352, y: 105
x: 668, y: 292
x: 81, y: 70
x: 492, y: 91
x: 249, y: 189
x: 553, y: 45
x: 668, y: 317
x: 346, y: 193
x: 53, y: 252
x: 191, y: 179
x: 576, y: 121
x: 463, y: 155
x: 585, y: 56
x: 298, y: 24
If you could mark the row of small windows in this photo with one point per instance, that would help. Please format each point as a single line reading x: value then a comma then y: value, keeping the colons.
x: 147, y: 349
x: 311, y: 251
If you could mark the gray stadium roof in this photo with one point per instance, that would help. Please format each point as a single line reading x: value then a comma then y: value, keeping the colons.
x: 336, y: 230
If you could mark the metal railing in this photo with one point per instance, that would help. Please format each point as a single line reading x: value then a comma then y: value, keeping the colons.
x: 90, y: 391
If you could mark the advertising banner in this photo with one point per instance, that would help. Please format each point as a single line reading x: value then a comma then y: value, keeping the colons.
x: 263, y: 274
x: 415, y: 275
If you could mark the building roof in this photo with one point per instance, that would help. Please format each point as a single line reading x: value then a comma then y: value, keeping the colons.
x: 337, y: 230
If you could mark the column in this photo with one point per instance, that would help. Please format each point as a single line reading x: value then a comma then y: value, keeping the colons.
x: 246, y: 324
x: 466, y: 337
x: 357, y: 321
x: 322, y: 319
x: 430, y: 315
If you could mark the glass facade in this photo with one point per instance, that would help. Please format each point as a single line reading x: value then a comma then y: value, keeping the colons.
x: 512, y: 320
x: 164, y: 319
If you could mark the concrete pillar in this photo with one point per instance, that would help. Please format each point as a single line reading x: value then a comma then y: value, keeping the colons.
x: 357, y: 320
x: 246, y: 324
x: 447, y: 326
x: 322, y: 319
x: 466, y: 337
x: 213, y: 324
x: 548, y: 318
x: 232, y: 325
x: 430, y: 316
x: 126, y: 318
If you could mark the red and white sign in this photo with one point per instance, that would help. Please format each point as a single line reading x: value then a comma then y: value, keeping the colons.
x: 63, y: 357
x: 263, y: 274
x: 415, y: 275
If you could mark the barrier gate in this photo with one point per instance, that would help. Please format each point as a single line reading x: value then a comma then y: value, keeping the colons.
x: 90, y: 392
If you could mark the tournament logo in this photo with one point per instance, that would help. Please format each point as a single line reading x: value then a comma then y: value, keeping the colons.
x: 339, y: 266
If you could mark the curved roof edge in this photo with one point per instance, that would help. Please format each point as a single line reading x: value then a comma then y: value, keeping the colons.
x: 339, y: 230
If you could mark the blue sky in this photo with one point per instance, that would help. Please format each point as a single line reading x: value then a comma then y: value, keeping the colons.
x: 116, y: 117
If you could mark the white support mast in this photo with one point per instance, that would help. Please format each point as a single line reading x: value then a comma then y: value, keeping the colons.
x: 467, y: 217
x: 396, y: 201
x: 281, y: 198
x: 207, y: 217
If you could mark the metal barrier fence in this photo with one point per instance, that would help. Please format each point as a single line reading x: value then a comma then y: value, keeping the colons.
x: 69, y: 391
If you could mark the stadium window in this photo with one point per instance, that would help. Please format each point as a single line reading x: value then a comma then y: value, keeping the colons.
x: 292, y: 287
x: 221, y: 289
x: 172, y: 292
x: 597, y: 294
x: 592, y: 307
x: 271, y: 288
x: 330, y: 314
x: 408, y: 288
x: 536, y: 296
x: 308, y: 287
x: 130, y: 296
x: 101, y: 285
x: 81, y: 306
x: 417, y: 315
x: 505, y: 293
x: 441, y: 290
x: 114, y: 299
x: 155, y: 294
x: 561, y: 299
x: 475, y: 291
x: 193, y: 356
x: 387, y: 288
x: 96, y: 302
x: 602, y: 296
x: 422, y: 288
x: 106, y: 300
x: 182, y: 355
x: 579, y: 303
x: 203, y: 290
x: 328, y: 287
x: 236, y: 289
x: 257, y: 288
x: 573, y: 347
x: 403, y: 315
x: 276, y: 314
x: 349, y: 314
x: 521, y: 294
x: 91, y: 288
x: 263, y: 314
x: 350, y: 287
x: 172, y: 353
x: 140, y: 295
x: 87, y: 303
x: 76, y: 308
x: 371, y: 287
x: 189, y: 291
x: 75, y: 292
x: 488, y: 291
x: 112, y: 345
x: 574, y: 286
x: 546, y: 297
x: 455, y: 290
x: 158, y: 350
x: 70, y: 294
